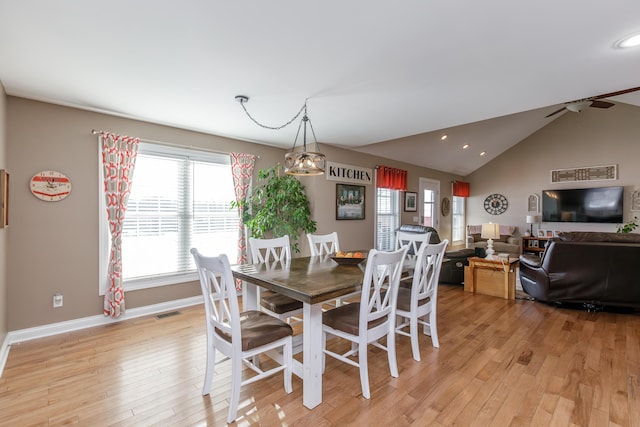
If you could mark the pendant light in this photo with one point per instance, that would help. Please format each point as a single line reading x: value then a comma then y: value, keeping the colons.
x: 300, y: 163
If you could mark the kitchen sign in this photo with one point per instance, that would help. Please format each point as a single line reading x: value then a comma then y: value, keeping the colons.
x: 348, y: 173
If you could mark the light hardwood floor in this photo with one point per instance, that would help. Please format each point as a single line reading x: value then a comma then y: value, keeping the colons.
x: 502, y: 363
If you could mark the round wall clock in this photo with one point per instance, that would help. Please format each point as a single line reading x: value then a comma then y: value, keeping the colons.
x: 496, y: 204
x: 446, y: 206
x: 50, y: 186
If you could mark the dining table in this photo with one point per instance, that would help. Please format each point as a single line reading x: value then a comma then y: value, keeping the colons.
x: 314, y: 281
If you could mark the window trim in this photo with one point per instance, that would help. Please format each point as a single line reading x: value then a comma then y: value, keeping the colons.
x: 103, y: 228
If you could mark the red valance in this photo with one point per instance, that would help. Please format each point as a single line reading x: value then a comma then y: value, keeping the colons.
x: 461, y: 189
x: 391, y: 178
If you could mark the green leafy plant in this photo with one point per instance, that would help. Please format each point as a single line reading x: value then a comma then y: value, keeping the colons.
x: 278, y: 206
x: 628, y: 226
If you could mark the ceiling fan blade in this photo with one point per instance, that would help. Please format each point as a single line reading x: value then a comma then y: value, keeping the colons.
x: 620, y: 92
x: 555, y: 112
x: 601, y: 104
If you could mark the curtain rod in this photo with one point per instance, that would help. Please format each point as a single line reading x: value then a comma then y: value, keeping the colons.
x: 172, y: 144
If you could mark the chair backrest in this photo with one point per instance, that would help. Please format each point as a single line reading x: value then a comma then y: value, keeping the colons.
x: 270, y: 251
x: 323, y: 244
x: 380, y: 287
x: 413, y: 240
x: 220, y: 298
x: 427, y: 271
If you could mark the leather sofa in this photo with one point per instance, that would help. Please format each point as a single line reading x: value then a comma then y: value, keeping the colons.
x: 452, y: 270
x: 507, y: 243
x: 590, y: 268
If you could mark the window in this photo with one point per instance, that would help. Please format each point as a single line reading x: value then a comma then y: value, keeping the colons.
x: 457, y: 218
x: 428, y: 208
x: 180, y: 199
x: 387, y: 218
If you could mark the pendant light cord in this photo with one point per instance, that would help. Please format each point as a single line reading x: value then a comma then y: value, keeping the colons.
x: 304, y: 120
x: 242, y: 99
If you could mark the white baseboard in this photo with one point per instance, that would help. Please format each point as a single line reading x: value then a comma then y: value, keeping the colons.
x: 4, y: 353
x: 28, y: 334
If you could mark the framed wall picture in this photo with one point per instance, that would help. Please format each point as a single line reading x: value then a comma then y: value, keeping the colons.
x: 410, y: 201
x: 533, y: 203
x: 4, y: 198
x: 350, y: 201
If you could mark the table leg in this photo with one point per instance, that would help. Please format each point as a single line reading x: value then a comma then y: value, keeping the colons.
x: 312, y: 355
x: 249, y: 296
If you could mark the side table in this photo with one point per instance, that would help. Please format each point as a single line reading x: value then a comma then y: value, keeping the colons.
x: 496, y: 277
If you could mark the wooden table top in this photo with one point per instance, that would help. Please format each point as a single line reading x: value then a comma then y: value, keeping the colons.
x: 496, y: 260
x: 309, y: 279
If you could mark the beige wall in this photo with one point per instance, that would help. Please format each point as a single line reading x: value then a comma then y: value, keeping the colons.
x: 3, y: 231
x: 54, y: 245
x: 591, y: 138
x: 360, y: 234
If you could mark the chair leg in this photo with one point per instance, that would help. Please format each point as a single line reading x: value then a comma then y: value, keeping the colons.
x: 211, y: 364
x: 364, y: 371
x: 433, y: 326
x: 288, y: 359
x: 391, y: 353
x: 413, y: 331
x: 236, y: 381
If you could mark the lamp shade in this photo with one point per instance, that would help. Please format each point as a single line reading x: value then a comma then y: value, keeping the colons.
x: 533, y: 219
x: 304, y: 163
x: 490, y: 231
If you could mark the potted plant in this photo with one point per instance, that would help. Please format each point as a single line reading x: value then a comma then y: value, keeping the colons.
x: 278, y: 206
x: 628, y: 226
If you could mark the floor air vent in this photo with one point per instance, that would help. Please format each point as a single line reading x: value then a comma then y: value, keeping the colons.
x: 169, y: 314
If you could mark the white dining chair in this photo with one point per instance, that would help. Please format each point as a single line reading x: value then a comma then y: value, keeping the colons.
x: 371, y: 319
x: 326, y: 244
x: 414, y: 241
x: 421, y: 300
x: 323, y: 244
x: 273, y: 252
x: 240, y: 337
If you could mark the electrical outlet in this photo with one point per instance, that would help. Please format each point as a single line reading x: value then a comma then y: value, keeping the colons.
x: 57, y: 300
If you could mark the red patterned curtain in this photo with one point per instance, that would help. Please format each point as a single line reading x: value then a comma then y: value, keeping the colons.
x: 118, y: 160
x: 461, y: 189
x: 391, y: 178
x: 242, y: 169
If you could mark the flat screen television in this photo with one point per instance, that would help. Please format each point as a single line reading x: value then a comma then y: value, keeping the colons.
x: 603, y: 204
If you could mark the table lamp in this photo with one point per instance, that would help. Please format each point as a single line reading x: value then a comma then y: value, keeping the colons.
x: 532, y: 219
x: 490, y: 231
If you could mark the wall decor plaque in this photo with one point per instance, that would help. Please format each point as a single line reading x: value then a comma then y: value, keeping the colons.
x: 589, y: 173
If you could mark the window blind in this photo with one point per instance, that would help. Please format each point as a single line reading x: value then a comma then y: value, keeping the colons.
x: 177, y: 202
x: 387, y: 218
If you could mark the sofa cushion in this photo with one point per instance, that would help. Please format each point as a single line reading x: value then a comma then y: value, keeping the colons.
x: 596, y: 236
x: 477, y: 237
x: 414, y: 228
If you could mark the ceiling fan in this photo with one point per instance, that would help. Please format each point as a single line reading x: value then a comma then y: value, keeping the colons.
x: 594, y: 101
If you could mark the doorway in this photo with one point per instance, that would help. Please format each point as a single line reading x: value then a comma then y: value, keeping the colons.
x: 428, y: 201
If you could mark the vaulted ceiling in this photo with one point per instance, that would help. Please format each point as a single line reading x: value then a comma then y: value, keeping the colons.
x: 387, y: 78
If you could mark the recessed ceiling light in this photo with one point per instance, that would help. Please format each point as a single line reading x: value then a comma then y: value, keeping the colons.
x: 483, y: 153
x: 443, y: 137
x: 465, y: 146
x: 632, y: 40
